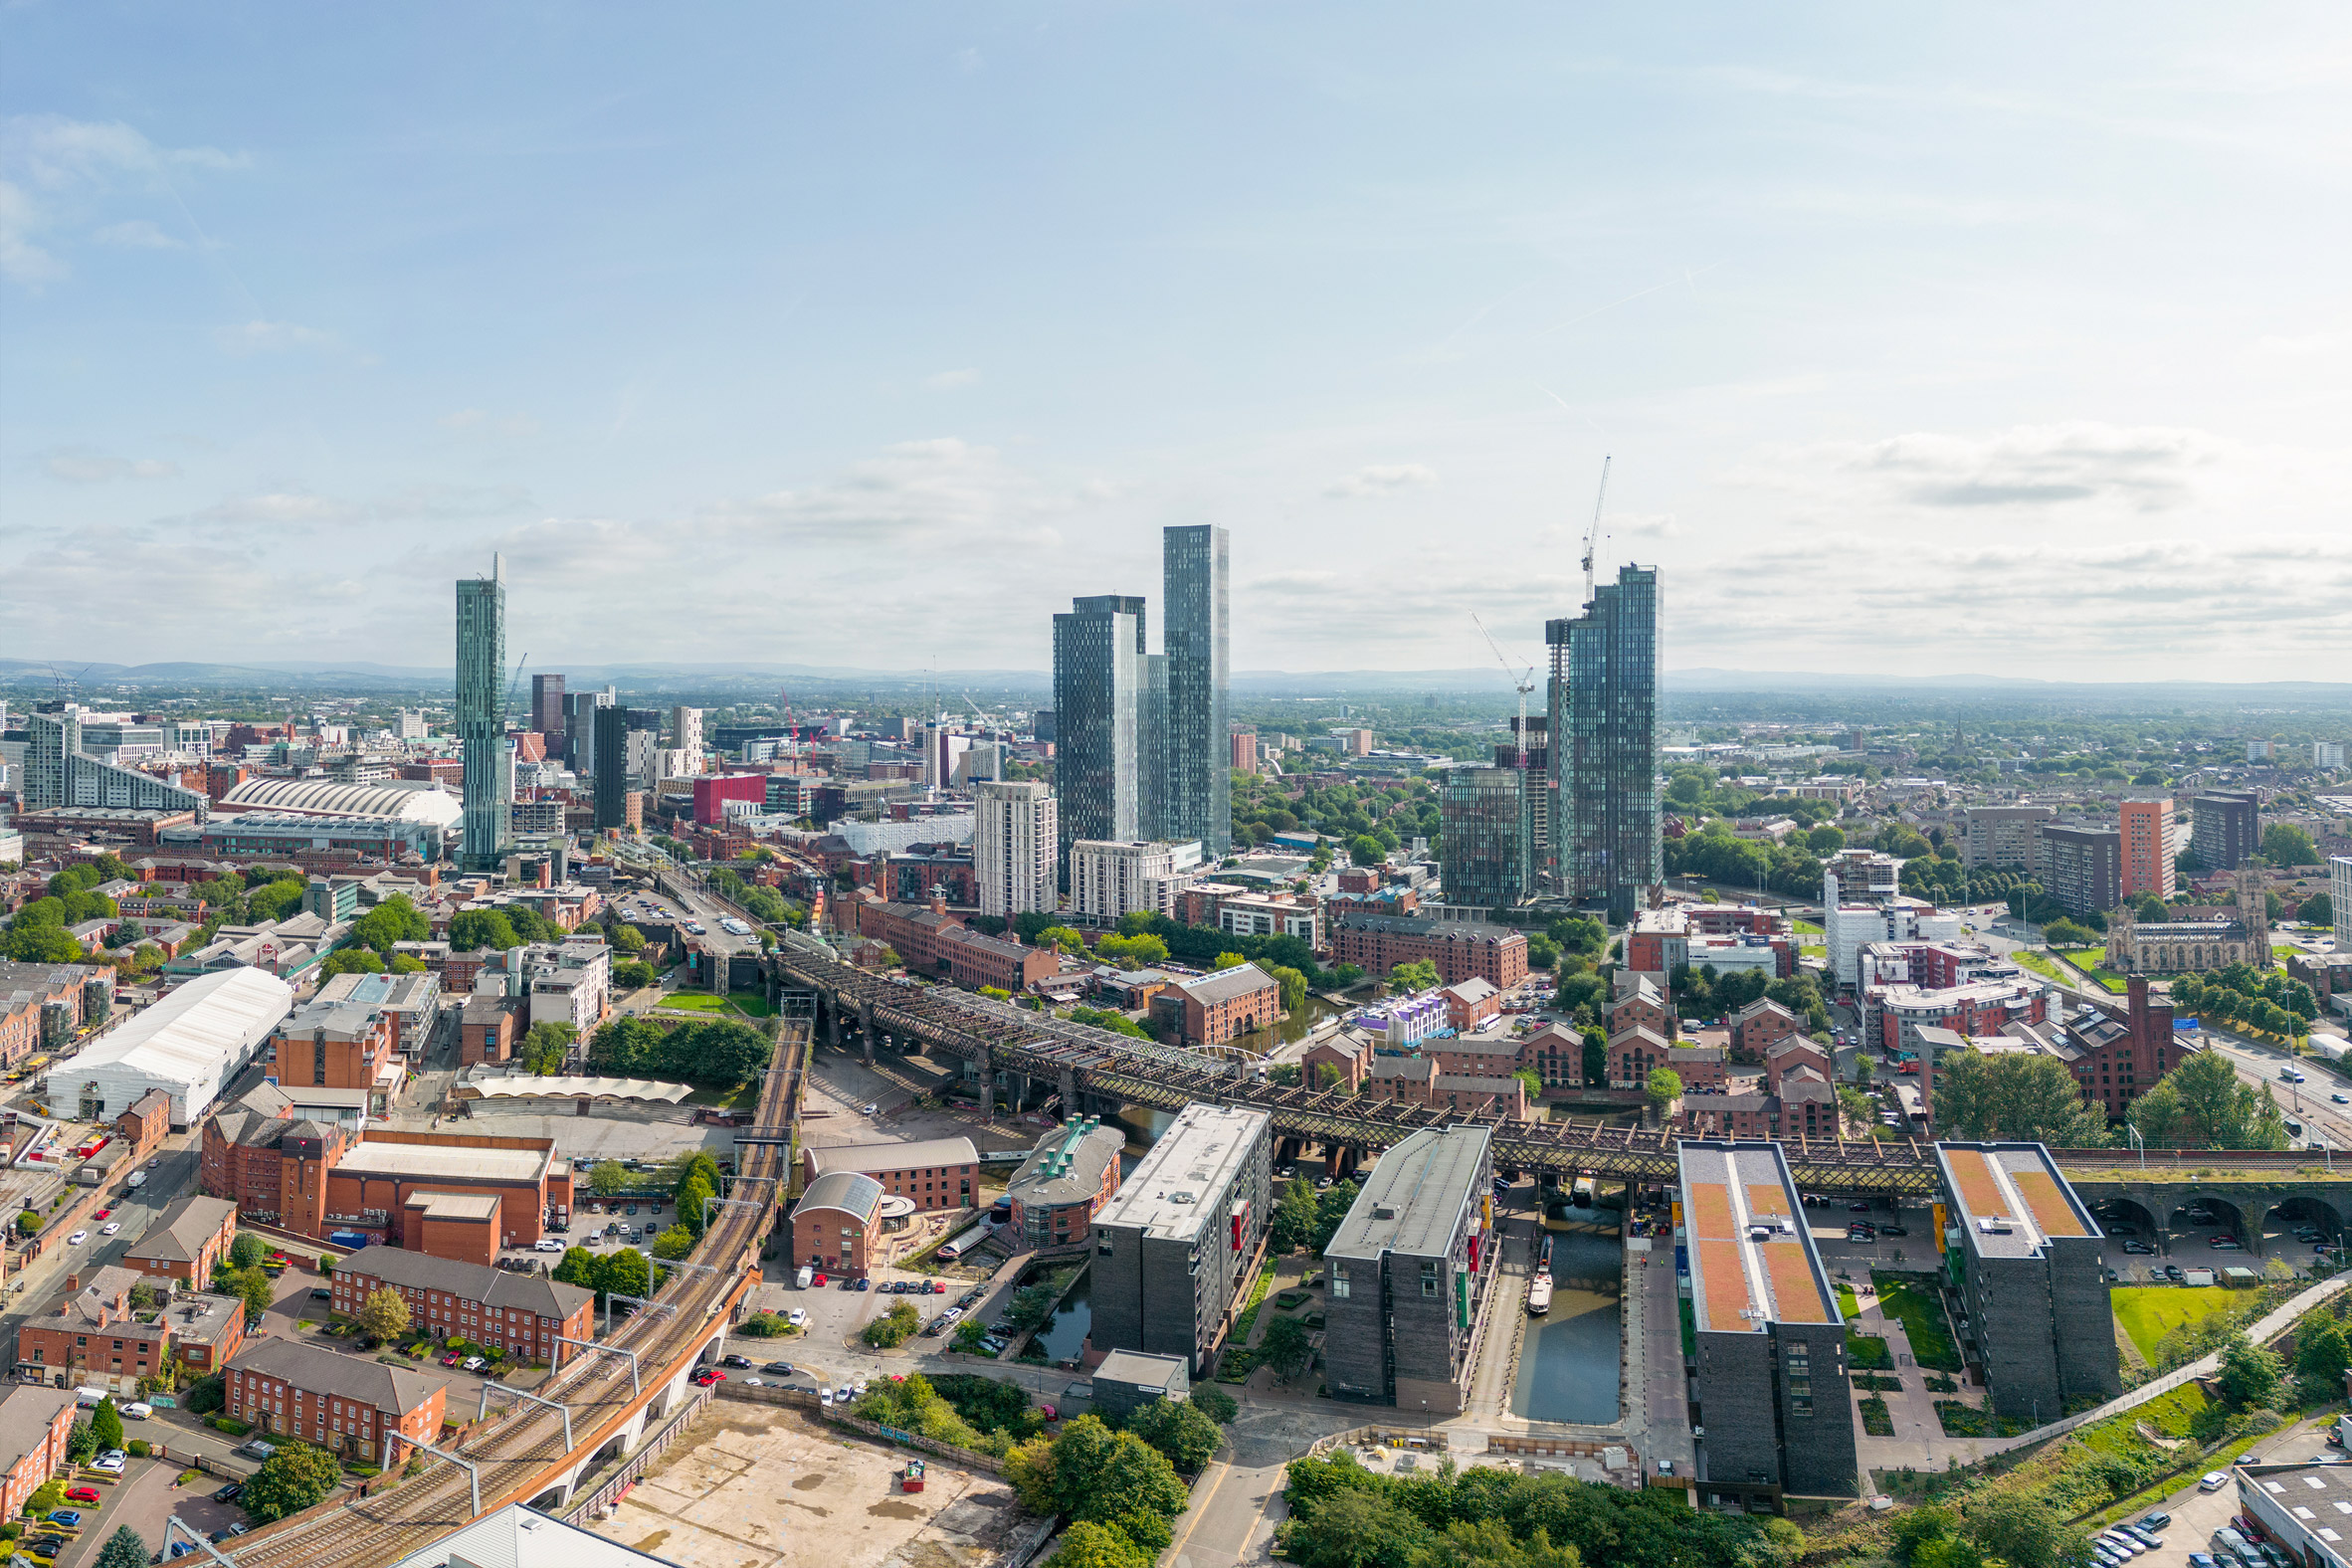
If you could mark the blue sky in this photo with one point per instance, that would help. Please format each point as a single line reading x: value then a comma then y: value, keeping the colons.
x: 1993, y: 338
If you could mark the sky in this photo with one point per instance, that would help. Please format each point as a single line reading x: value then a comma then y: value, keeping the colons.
x: 1991, y: 338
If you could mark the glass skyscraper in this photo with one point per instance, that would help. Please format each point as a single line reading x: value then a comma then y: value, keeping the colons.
x: 1196, y: 794
x: 1604, y: 747
x: 487, y: 757
x: 1098, y: 674
x: 1483, y: 842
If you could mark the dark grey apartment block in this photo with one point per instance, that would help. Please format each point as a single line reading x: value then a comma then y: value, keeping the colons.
x: 1410, y: 1268
x: 2024, y: 1252
x: 2225, y: 828
x: 1174, y: 1251
x: 2081, y: 867
x: 1770, y: 1407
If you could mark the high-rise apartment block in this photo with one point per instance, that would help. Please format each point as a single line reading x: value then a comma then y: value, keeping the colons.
x: 2225, y: 828
x: 2339, y: 892
x: 2003, y: 835
x: 1484, y: 836
x: 486, y: 754
x: 2147, y: 847
x: 1015, y: 848
x: 59, y: 773
x: 1196, y: 626
x: 611, y: 750
x: 1181, y: 1240
x: 1603, y: 738
x: 2024, y: 1252
x: 1244, y: 752
x: 685, y: 735
x: 2081, y: 867
x: 1097, y: 674
x: 1770, y: 1395
x: 1110, y: 878
x: 2327, y: 754
x: 547, y: 707
x: 1410, y: 1270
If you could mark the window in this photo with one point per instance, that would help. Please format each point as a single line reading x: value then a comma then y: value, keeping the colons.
x: 1429, y: 1278
x: 1339, y: 1285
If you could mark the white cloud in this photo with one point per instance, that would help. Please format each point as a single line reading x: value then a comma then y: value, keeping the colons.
x: 1382, y: 478
x: 949, y: 380
x: 82, y: 466
x: 51, y: 167
x: 268, y: 338
x: 1663, y: 526
x: 137, y: 234
x: 2145, y: 467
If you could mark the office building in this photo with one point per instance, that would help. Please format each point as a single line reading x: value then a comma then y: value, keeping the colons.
x: 2339, y: 893
x: 1483, y: 814
x: 2081, y: 867
x: 58, y: 772
x: 2002, y: 834
x: 580, y: 726
x: 482, y: 719
x: 1769, y: 1403
x: 2225, y: 828
x: 1098, y: 697
x: 1409, y: 1267
x: 1175, y: 1251
x: 1069, y: 1175
x: 1109, y: 879
x: 547, y: 708
x: 611, y: 752
x: 1015, y: 848
x: 1602, y: 735
x: 1196, y: 793
x: 2024, y: 1252
x: 2147, y: 847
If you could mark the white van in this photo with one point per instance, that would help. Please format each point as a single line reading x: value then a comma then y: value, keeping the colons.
x: 137, y: 1409
x: 805, y: 1275
x: 90, y: 1398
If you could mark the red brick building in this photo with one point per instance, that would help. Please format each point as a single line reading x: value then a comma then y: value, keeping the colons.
x: 974, y: 960
x: 1633, y: 1054
x: 1471, y: 1002
x: 1217, y: 1008
x: 527, y: 1315
x: 1760, y: 1026
x: 184, y: 1243
x: 1071, y: 1173
x: 35, y: 1423
x: 1461, y: 950
x: 1344, y: 1055
x: 145, y: 1125
x: 358, y: 1409
x: 489, y: 1028
x: 837, y: 1222
x: 1791, y: 1055
x: 1494, y: 1055
x: 1640, y: 1003
x: 1555, y: 1054
x: 937, y: 1173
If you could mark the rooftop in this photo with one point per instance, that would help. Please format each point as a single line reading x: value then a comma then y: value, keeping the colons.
x: 920, y: 1155
x: 1226, y: 984
x: 181, y: 1230
x: 2010, y: 1199
x: 1142, y: 1369
x: 851, y: 1192
x: 519, y: 1538
x: 394, y: 1390
x: 26, y: 1413
x: 1752, y: 1261
x: 1414, y: 1199
x: 1068, y: 1164
x: 535, y: 1293
x: 446, y: 1162
x: 1171, y: 1193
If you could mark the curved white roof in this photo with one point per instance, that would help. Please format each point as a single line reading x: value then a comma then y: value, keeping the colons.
x: 196, y: 1030
x: 404, y: 800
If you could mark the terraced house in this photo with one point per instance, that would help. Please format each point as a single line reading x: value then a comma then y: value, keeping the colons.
x: 527, y: 1315
x: 361, y: 1410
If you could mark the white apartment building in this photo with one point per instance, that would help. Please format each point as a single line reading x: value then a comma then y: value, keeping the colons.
x: 1109, y: 878
x: 685, y: 736
x: 1273, y: 914
x: 2327, y: 753
x: 1016, y: 847
x: 2339, y: 893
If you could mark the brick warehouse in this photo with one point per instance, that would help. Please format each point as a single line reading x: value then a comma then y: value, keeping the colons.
x: 1461, y: 950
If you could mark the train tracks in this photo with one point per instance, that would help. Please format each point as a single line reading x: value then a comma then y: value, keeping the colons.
x: 519, y: 1455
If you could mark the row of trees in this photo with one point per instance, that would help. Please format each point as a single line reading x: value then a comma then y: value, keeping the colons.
x: 2260, y: 998
x: 720, y: 1052
x: 2202, y: 1104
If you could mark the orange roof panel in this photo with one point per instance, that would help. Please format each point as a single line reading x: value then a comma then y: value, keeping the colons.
x: 1796, y: 1295
x: 1725, y: 1277
x: 1709, y: 1214
x: 1980, y: 1195
x: 2051, y: 1212
x: 1766, y: 1201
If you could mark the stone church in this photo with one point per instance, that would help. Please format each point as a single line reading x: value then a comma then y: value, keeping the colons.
x: 2175, y: 947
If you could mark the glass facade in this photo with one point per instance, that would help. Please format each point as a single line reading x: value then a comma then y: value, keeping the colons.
x: 1604, y: 818
x: 1197, y: 790
x: 1483, y: 838
x: 1098, y: 699
x: 481, y: 723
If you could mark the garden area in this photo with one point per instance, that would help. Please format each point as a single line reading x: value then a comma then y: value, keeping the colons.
x: 751, y: 1004
x: 2149, y: 1313
x: 2092, y: 961
x: 1914, y: 1302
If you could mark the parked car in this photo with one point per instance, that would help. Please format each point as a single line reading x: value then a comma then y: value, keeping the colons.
x: 1893, y: 1230
x: 89, y: 1494
x: 738, y: 1361
x: 452, y: 1359
x: 780, y: 1368
x: 2139, y: 1249
x: 473, y: 1364
x: 2227, y: 1244
x: 71, y: 1518
x: 546, y: 1244
x: 109, y: 1464
x: 798, y: 1317
x: 2211, y: 1481
x: 2155, y: 1522
x: 229, y: 1493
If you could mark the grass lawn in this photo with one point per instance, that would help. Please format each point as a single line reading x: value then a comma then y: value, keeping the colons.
x: 1807, y: 928
x: 1922, y: 1318
x: 1805, y: 950
x: 2040, y: 964
x: 750, y: 1002
x: 2149, y: 1313
x: 1849, y: 1305
x: 753, y: 1003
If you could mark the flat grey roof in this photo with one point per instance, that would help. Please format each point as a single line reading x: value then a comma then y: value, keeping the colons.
x: 1168, y: 1194
x: 444, y: 1163
x: 1414, y: 1198
x: 1142, y: 1369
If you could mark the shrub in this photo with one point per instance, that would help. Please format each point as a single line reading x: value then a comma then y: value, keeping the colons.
x: 231, y: 1425
x: 763, y: 1325
x: 137, y: 1448
x: 205, y: 1394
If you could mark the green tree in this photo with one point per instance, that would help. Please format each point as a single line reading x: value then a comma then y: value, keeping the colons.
x: 2219, y: 1111
x: 2322, y: 1354
x: 2318, y: 909
x: 894, y: 1326
x: 1064, y: 937
x: 579, y: 1266
x: 607, y: 1177
x: 1331, y: 1206
x: 469, y: 929
x: 1286, y: 1347
x: 1542, y: 952
x: 1365, y: 849
x: 1086, y: 1544
x: 1293, y: 1223
x: 383, y: 1315
x: 1293, y: 985
x: 1420, y: 975
x: 545, y: 1048
x: 1230, y: 960
x: 1187, y: 1438
x: 2023, y: 1531
x: 1133, y: 952
x: 1354, y: 1527
x: 1103, y: 1476
x: 125, y: 1548
x: 1664, y: 1088
x: 674, y: 1243
x: 1216, y: 1404
x: 2285, y: 844
x: 256, y: 1289
x: 295, y: 1478
x: 247, y: 1250
x: 276, y: 902
x: 105, y: 1426
x: 351, y: 960
x: 627, y: 939
x: 1596, y: 1057
x: 395, y: 919
x: 2250, y: 1377
x: 1824, y: 841
x: 1916, y: 1527
x: 625, y: 1273
x: 2025, y: 1098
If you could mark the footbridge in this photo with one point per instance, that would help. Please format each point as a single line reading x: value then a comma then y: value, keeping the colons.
x: 597, y: 1408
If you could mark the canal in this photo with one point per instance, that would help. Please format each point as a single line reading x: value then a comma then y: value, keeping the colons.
x: 1063, y: 1338
x: 1569, y: 1368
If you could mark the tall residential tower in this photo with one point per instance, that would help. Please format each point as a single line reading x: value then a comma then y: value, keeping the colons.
x: 488, y: 759
x: 1098, y: 700
x: 1196, y: 794
x: 1014, y: 848
x: 1603, y: 736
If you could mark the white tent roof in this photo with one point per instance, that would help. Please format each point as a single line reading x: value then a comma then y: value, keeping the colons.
x: 522, y: 1088
x: 197, y: 1030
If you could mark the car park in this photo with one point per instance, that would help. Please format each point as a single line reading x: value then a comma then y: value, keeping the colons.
x: 2155, y: 1522
x: 71, y: 1518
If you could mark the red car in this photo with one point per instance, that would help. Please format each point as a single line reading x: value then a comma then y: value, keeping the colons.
x: 452, y: 1359
x: 819, y: 1279
x: 83, y: 1494
x: 105, y: 1214
x: 707, y: 1377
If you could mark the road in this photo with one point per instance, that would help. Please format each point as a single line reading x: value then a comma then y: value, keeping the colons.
x: 33, y: 1291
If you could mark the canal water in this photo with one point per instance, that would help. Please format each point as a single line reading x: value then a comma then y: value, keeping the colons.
x: 1568, y: 1364
x: 1066, y: 1336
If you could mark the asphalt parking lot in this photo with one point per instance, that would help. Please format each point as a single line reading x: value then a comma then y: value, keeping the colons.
x: 148, y: 1495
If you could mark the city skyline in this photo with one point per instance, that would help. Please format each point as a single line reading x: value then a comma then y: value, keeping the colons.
x: 1873, y: 321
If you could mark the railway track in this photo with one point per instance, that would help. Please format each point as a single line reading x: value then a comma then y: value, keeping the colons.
x: 517, y: 1455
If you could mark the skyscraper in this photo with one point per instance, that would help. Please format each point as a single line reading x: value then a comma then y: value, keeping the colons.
x: 1484, y: 836
x: 1196, y: 794
x: 610, y: 747
x: 685, y: 731
x: 548, y: 707
x: 2147, y: 847
x: 1098, y: 674
x: 1015, y: 849
x: 1603, y: 738
x: 488, y: 758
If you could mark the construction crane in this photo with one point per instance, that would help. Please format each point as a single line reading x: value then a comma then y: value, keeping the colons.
x: 1592, y: 535
x: 509, y: 706
x: 1524, y: 682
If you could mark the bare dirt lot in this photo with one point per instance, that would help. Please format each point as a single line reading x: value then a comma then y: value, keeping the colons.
x: 750, y: 1485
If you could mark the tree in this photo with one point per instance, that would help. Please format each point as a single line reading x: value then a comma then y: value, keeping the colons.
x: 2216, y: 1109
x: 1824, y: 841
x: 125, y: 1548
x: 1420, y: 975
x: 1542, y: 952
x: 894, y: 1326
x: 473, y: 928
x: 1133, y: 951
x: 1187, y: 1438
x: 1663, y: 1088
x: 2023, y: 1530
x: 1293, y: 985
x: 607, y: 1177
x: 1064, y: 937
x: 2025, y: 1098
x: 578, y: 1265
x: 1230, y: 960
x: 1216, y: 1404
x: 351, y: 960
x: 80, y: 1445
x: 627, y: 939
x: 674, y: 1243
x: 28, y: 1222
x: 1353, y: 1528
x: 1086, y: 1544
x: 625, y: 1273
x: 1286, y: 1347
x: 105, y: 1426
x: 295, y: 1478
x: 2285, y: 844
x: 256, y: 1289
x: 1331, y: 1206
x: 1293, y: 1223
x: 383, y: 1315
x: 395, y: 919
x: 2323, y: 1353
x: 2250, y: 1377
x: 2063, y: 932
x: 247, y: 1250
x: 633, y: 974
x: 1595, y: 1057
x: 1365, y: 849
x: 2318, y: 909
x: 545, y: 1048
